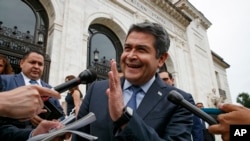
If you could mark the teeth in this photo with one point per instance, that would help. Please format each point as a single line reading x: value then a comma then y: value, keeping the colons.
x: 133, y: 66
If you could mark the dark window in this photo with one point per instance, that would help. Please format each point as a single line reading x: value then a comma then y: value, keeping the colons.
x: 106, y: 44
x: 17, y: 13
x: 23, y: 27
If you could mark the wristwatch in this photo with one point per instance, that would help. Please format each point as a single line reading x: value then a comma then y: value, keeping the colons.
x: 126, y: 116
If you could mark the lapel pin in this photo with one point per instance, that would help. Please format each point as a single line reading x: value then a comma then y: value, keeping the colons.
x: 159, y: 93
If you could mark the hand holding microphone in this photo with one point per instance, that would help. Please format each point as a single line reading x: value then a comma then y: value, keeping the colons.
x: 85, y: 77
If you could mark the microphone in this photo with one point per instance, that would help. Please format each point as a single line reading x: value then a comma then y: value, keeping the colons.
x: 178, y: 99
x: 85, y: 77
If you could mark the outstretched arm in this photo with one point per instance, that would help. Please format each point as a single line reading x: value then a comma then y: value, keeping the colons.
x: 24, y: 102
x: 235, y: 114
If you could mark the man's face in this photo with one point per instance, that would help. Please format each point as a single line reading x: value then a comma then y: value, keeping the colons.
x: 33, y: 66
x: 1, y: 66
x: 199, y: 105
x: 165, y: 77
x: 138, y: 60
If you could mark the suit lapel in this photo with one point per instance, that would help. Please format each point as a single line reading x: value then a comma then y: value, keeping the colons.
x: 151, y: 98
x: 43, y: 84
x: 19, y: 80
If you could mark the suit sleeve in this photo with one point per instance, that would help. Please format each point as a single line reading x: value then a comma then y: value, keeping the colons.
x: 82, y: 112
x: 12, y: 133
x: 2, y: 84
x: 178, y: 128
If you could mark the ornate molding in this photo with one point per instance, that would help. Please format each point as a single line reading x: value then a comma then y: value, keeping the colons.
x: 173, y: 11
x: 193, y: 13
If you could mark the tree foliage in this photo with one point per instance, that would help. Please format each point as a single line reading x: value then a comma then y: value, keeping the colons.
x: 244, y: 99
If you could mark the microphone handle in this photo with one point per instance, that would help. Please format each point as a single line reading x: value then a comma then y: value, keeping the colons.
x: 209, y: 119
x: 67, y: 85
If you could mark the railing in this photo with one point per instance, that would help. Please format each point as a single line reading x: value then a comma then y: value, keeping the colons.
x: 19, y: 46
x: 102, y: 68
x: 14, y: 44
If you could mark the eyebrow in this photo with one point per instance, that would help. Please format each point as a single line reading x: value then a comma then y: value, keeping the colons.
x: 165, y: 78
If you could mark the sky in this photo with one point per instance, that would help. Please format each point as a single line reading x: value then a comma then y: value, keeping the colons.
x: 229, y: 37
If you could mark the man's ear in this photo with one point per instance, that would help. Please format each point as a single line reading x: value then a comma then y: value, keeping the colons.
x: 173, y: 80
x: 162, y: 59
x: 21, y: 63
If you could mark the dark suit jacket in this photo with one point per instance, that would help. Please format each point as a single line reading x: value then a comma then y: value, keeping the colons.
x: 14, y: 130
x: 156, y: 118
x: 207, y: 135
x: 197, y: 130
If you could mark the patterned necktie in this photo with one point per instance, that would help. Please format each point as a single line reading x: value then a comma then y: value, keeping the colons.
x: 33, y: 82
x: 132, y: 102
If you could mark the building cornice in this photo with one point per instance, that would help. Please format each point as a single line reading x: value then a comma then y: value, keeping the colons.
x: 164, y: 5
x: 219, y: 60
x: 173, y: 11
x: 194, y: 14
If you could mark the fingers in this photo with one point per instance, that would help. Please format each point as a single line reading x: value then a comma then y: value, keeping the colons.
x: 45, y: 126
x: 66, y: 136
x: 215, y: 129
x: 220, y: 129
x: 36, y: 120
x: 114, y: 70
x: 230, y: 107
x: 43, y: 111
x: 47, y: 92
x: 113, y: 75
x: 40, y: 108
x: 113, y: 67
x: 114, y: 93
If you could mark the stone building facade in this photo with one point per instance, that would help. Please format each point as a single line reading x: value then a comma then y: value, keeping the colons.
x: 75, y: 29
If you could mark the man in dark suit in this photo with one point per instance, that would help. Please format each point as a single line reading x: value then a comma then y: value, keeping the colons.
x: 32, y: 65
x: 206, y: 134
x: 167, y: 77
x: 197, y: 130
x: 154, y: 118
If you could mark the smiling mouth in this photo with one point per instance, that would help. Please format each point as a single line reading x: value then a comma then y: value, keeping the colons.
x: 133, y: 65
x: 35, y: 72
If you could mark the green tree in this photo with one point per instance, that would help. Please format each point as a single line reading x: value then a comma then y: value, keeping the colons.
x: 244, y: 99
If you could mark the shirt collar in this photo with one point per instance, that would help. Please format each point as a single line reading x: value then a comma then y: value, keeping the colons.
x: 26, y: 79
x: 144, y: 87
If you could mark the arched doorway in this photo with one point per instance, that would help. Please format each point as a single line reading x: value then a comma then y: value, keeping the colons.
x: 23, y: 27
x: 103, y: 46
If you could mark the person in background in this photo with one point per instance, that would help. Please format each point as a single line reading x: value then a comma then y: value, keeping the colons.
x: 32, y: 65
x: 197, y: 130
x: 167, y: 77
x: 233, y: 115
x: 73, y: 97
x: 135, y: 106
x: 5, y: 67
x: 207, y: 136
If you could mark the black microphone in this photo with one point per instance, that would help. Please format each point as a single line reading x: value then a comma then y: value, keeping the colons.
x: 85, y: 77
x: 178, y: 99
